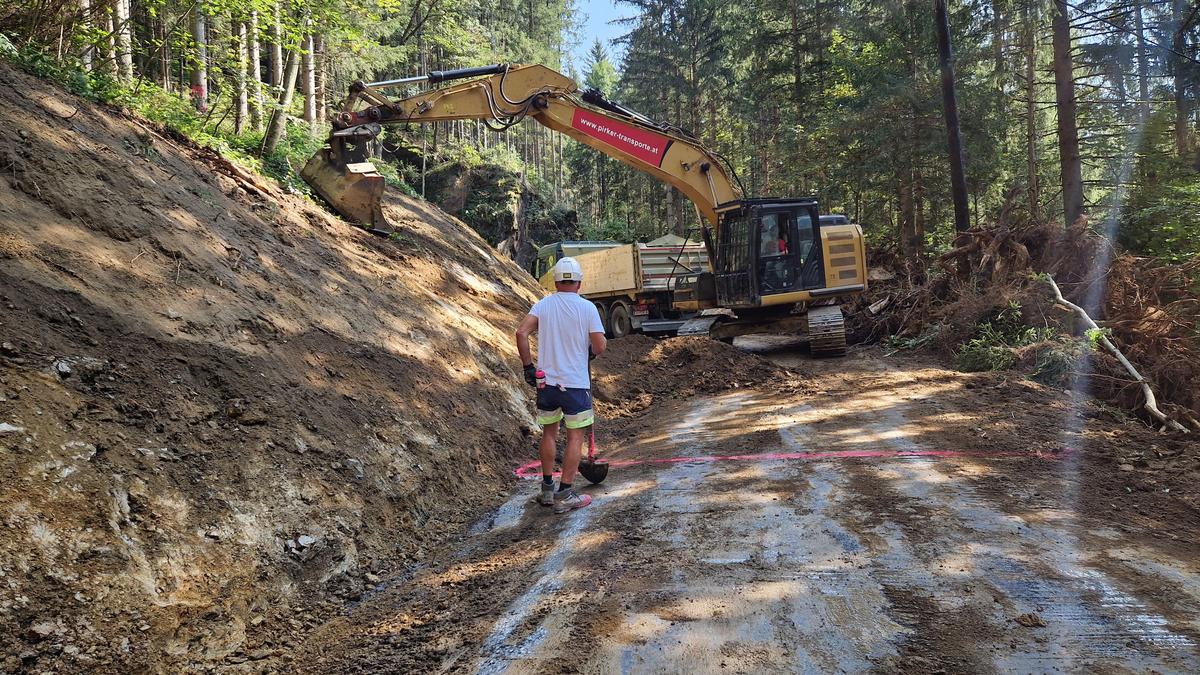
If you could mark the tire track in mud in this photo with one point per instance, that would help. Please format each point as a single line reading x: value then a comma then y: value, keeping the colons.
x: 1028, y: 568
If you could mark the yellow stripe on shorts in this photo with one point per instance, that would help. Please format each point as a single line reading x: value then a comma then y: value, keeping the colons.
x: 582, y: 419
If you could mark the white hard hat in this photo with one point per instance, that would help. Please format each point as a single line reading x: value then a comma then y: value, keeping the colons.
x: 569, y: 270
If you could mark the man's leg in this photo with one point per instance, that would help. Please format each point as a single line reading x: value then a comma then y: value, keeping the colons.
x: 573, y: 455
x: 547, y: 447
x: 566, y: 498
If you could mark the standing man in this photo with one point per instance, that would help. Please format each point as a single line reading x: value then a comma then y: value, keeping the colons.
x: 569, y: 334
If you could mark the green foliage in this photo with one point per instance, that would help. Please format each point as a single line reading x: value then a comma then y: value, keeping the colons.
x: 840, y: 100
x: 68, y: 73
x: 601, y: 74
x: 1057, y: 362
x: 995, y: 341
x: 1163, y: 218
x: 1093, y: 336
x: 979, y: 354
x: 917, y: 342
x: 995, y: 346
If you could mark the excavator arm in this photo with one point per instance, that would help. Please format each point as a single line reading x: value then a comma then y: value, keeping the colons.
x: 506, y: 95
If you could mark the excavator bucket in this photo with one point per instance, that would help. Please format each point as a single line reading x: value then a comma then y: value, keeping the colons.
x: 353, y: 189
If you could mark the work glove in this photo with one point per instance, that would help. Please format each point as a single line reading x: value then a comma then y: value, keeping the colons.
x: 531, y: 375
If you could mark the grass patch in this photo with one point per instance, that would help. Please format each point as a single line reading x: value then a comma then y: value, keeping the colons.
x: 213, y: 129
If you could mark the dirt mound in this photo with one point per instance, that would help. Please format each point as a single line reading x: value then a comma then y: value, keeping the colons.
x: 223, y: 412
x: 1148, y: 306
x: 638, y: 371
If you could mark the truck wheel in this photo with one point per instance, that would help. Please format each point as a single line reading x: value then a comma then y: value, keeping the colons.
x: 603, y: 317
x: 621, y: 324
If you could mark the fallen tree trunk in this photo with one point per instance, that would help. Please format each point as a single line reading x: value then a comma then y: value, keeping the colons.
x: 1151, y: 404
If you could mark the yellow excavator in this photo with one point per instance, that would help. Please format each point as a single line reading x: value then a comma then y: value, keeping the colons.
x: 776, y: 268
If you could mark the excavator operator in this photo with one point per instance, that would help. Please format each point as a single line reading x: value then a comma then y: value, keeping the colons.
x: 569, y: 334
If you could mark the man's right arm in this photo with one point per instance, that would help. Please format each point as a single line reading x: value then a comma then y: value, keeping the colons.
x: 596, y: 342
x: 528, y: 326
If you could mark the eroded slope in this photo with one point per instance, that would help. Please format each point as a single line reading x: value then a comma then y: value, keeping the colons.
x: 224, y: 409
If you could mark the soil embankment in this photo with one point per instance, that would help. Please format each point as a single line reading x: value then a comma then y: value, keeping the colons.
x: 223, y: 412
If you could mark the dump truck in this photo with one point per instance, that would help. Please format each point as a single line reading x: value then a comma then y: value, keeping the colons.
x: 643, y: 287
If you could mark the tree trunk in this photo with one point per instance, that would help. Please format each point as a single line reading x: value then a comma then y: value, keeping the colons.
x: 1143, y: 64
x: 255, y: 77
x: 1070, y: 168
x: 199, y: 75
x: 322, y: 69
x: 1032, y: 132
x: 908, y: 218
x: 669, y: 202
x: 308, y: 84
x: 124, y: 41
x: 958, y: 173
x: 278, y: 123
x: 164, y: 54
x: 998, y: 38
x: 85, y: 11
x: 1182, y: 108
x: 276, y: 50
x: 242, y: 117
x: 110, y: 44
x: 918, y: 233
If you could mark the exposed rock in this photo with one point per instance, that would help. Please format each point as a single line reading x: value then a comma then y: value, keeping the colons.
x: 1031, y: 620
x: 43, y: 630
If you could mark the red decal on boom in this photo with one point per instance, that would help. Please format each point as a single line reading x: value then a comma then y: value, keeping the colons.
x: 645, y: 145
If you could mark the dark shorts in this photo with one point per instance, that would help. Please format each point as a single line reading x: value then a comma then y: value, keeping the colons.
x: 572, y: 405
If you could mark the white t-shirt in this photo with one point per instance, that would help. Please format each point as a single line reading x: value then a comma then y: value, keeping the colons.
x: 564, y: 323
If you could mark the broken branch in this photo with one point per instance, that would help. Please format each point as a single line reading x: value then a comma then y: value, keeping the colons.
x: 1151, y: 404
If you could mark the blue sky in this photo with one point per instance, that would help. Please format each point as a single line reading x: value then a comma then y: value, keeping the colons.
x: 595, y: 16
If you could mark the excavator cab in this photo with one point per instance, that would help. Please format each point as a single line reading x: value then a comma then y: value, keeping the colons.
x: 766, y: 248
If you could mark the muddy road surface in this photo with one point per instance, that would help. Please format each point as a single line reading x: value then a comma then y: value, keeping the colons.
x: 898, y: 517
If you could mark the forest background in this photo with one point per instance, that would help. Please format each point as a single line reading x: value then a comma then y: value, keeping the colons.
x: 1094, y: 100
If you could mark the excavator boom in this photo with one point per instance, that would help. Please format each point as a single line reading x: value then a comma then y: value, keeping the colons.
x: 341, y: 172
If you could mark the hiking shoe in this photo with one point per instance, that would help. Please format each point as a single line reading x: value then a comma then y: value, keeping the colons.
x: 546, y: 496
x: 565, y: 501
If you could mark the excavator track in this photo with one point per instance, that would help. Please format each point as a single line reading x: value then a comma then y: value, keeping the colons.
x: 826, y: 331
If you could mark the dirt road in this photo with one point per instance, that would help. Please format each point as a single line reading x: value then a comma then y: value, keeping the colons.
x: 902, y: 517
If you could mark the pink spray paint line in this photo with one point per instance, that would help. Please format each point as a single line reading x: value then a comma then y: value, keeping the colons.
x: 534, y: 469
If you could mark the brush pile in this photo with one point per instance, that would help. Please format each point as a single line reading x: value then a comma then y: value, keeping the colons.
x: 987, y: 302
